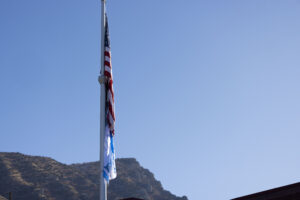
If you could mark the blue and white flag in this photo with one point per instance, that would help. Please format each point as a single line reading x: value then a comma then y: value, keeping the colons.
x: 109, y: 169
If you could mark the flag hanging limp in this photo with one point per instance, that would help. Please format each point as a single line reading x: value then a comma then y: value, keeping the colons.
x: 109, y: 168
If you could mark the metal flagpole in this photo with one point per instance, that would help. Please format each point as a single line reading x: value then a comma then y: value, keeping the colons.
x: 102, y: 81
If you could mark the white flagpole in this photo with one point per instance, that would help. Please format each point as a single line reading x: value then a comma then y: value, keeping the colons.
x: 103, y: 184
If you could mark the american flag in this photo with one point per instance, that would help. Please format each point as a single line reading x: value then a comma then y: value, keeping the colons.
x: 110, y: 103
x: 109, y: 169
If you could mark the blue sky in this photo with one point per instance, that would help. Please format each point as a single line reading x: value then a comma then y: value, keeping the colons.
x: 207, y: 92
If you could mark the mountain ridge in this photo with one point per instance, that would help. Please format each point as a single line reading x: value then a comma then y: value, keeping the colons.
x: 38, y: 177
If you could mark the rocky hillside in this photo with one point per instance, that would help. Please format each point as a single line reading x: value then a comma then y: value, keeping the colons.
x: 35, y: 178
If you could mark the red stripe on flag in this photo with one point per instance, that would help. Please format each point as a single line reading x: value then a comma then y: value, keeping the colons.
x: 106, y: 53
x: 107, y: 74
x: 106, y: 63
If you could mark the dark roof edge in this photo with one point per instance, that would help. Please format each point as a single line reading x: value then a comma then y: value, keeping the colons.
x: 266, y: 192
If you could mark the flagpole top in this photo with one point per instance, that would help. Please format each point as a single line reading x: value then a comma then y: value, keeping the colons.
x: 102, y: 79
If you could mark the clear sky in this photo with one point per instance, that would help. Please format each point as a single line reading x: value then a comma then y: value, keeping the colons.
x: 207, y: 92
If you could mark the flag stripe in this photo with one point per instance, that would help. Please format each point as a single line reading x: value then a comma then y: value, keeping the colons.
x: 107, y: 63
x: 106, y: 53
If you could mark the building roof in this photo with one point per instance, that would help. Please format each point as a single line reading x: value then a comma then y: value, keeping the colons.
x: 288, y: 192
x: 131, y: 199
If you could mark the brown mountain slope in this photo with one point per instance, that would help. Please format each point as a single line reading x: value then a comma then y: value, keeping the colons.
x: 132, y: 180
x: 33, y: 177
